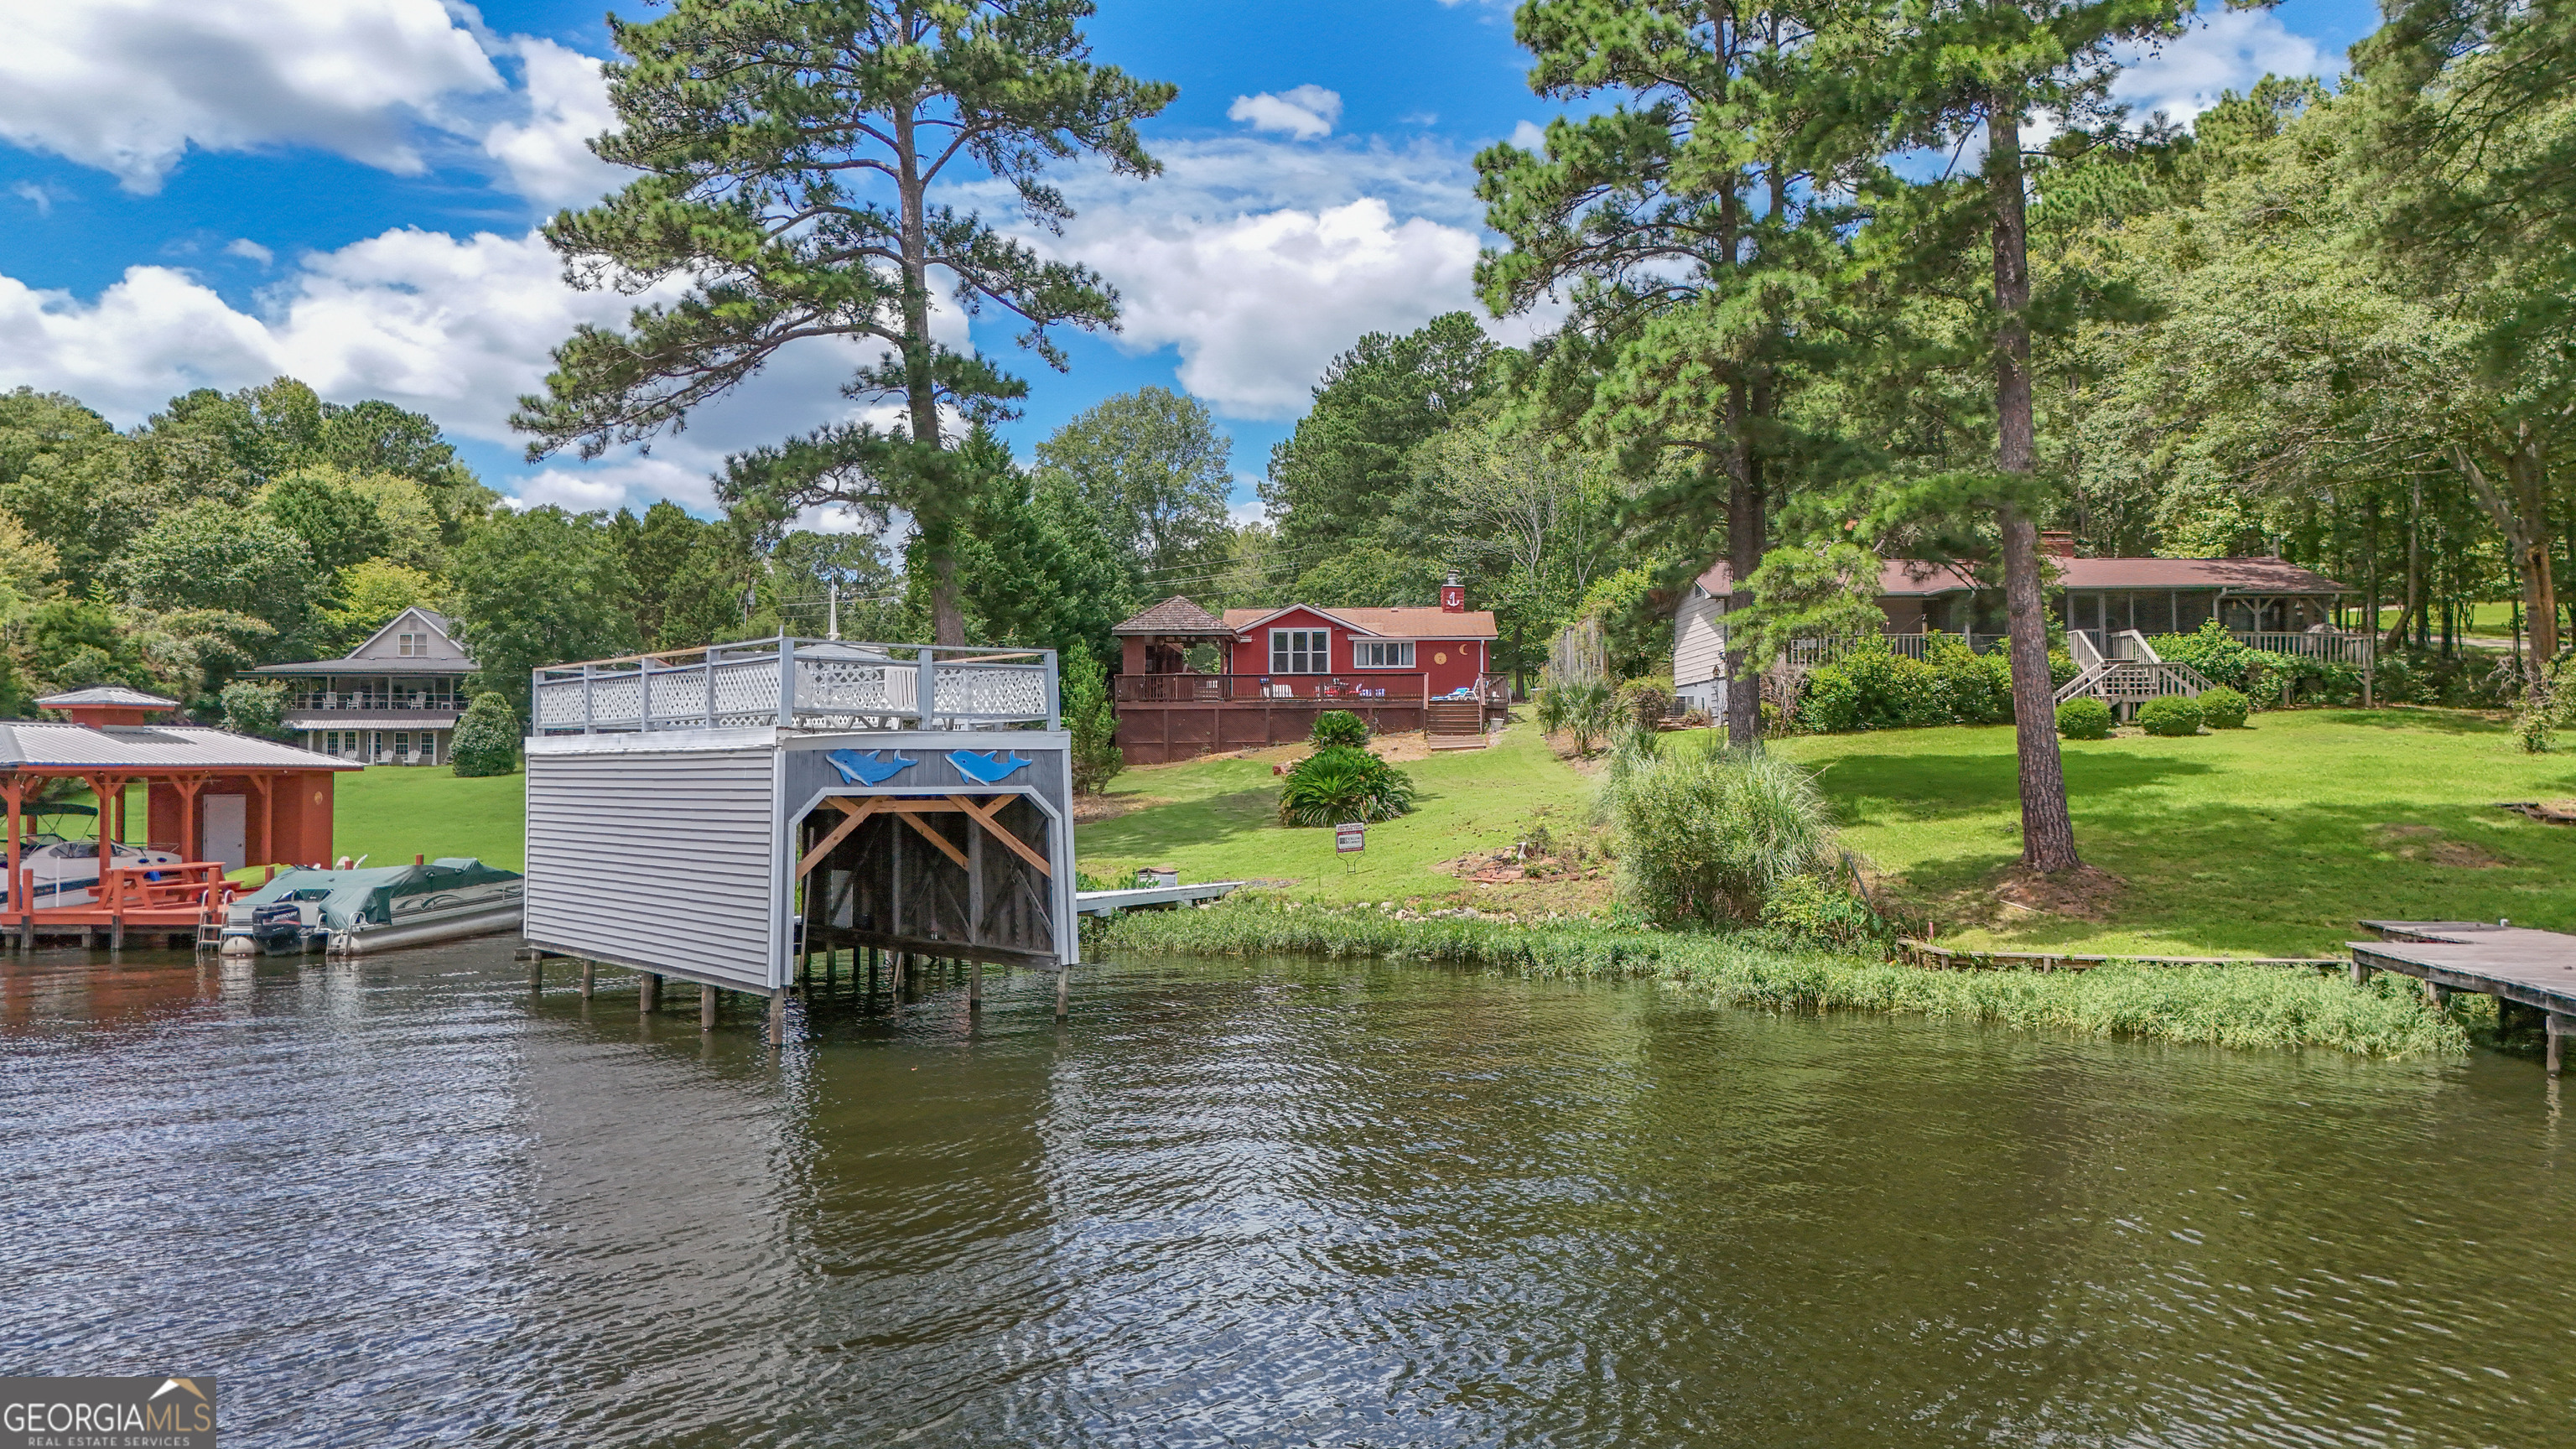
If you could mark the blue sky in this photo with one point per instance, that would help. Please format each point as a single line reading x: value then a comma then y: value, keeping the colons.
x: 210, y: 192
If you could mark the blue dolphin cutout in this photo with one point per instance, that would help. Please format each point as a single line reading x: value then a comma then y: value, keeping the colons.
x: 990, y: 769
x: 873, y: 768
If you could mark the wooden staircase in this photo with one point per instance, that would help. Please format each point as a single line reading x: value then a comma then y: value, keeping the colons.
x: 1454, y: 724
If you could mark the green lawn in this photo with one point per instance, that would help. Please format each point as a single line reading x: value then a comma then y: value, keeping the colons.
x: 1218, y: 820
x: 2266, y: 841
x: 390, y: 813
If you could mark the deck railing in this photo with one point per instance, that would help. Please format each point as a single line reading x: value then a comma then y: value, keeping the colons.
x: 2340, y: 648
x: 1359, y: 689
x: 1808, y: 653
x: 816, y: 684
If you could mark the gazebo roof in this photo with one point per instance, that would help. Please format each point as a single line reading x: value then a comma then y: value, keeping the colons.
x: 114, y: 696
x: 1176, y: 617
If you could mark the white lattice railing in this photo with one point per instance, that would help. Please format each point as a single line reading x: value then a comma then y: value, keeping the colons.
x: 800, y: 684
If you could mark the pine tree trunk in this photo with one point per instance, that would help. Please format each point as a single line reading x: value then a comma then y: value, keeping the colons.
x: 2047, y: 830
x: 2530, y: 478
x: 1744, y: 532
x: 931, y: 488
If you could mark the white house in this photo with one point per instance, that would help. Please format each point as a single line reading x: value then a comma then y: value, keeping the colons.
x: 393, y: 700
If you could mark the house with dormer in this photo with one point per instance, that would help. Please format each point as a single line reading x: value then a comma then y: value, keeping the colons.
x: 393, y: 700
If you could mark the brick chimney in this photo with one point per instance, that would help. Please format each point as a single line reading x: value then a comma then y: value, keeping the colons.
x: 1453, y: 597
x: 2057, y: 543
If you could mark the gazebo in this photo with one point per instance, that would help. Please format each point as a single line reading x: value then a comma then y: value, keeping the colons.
x: 1158, y: 641
x: 219, y: 801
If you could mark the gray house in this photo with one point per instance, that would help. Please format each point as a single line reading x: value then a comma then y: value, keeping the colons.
x: 393, y: 700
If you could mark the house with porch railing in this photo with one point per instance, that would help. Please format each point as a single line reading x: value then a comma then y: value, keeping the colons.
x: 2109, y: 608
x: 1192, y: 683
x: 393, y: 700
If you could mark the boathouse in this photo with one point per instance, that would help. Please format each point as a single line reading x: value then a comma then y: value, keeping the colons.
x: 717, y: 814
x: 217, y: 801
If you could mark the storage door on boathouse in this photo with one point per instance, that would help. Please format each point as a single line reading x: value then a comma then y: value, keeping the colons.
x: 658, y: 851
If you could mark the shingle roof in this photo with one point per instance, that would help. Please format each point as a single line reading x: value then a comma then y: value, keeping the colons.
x: 359, y: 668
x: 1915, y: 578
x: 107, y: 694
x: 1175, y: 615
x: 152, y: 747
x: 1415, y: 622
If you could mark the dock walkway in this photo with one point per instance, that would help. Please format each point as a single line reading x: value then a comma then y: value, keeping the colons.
x: 2513, y: 964
x: 1109, y: 903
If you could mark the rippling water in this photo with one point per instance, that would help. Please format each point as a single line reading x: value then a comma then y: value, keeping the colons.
x: 1255, y: 1203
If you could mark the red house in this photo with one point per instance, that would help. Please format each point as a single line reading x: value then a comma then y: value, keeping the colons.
x: 1274, y: 670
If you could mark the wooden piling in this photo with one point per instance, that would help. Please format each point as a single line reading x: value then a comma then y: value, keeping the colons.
x: 706, y: 1007
x: 777, y: 1017
x: 2436, y: 996
x: 975, y: 986
x: 589, y: 970
x: 1063, y: 984
x: 648, y: 994
x: 537, y: 973
x: 2361, y: 974
x: 2561, y: 1026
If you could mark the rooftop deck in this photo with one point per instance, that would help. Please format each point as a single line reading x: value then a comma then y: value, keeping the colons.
x: 800, y: 684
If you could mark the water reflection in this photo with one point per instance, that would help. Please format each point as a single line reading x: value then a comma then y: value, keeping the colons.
x: 1281, y: 1202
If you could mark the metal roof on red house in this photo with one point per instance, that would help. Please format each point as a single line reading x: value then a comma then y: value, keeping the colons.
x: 1399, y: 623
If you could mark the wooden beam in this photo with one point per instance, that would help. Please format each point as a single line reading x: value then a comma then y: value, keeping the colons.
x: 840, y: 832
x: 946, y: 846
x: 985, y: 813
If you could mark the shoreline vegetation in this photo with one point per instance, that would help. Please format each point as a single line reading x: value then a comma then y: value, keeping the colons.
x: 2233, y: 1006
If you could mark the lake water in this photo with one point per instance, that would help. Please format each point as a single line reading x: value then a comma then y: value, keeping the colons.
x: 1246, y: 1203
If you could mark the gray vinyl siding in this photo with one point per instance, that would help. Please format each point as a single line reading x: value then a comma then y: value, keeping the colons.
x: 1699, y: 638
x: 657, y: 860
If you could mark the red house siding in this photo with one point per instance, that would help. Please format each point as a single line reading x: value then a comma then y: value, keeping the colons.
x: 1450, y: 663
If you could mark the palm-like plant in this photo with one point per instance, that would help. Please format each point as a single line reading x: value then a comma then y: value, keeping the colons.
x: 1586, y: 710
x: 1338, y: 784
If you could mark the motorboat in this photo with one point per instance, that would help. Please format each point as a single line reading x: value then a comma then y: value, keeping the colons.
x: 64, y: 873
x: 353, y: 911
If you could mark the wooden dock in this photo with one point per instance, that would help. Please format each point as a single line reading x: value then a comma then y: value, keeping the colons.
x: 1146, y: 898
x: 2518, y: 966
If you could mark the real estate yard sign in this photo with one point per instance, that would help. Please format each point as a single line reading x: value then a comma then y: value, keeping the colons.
x: 1350, y: 837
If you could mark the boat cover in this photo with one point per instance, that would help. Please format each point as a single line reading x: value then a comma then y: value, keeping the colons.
x: 350, y: 898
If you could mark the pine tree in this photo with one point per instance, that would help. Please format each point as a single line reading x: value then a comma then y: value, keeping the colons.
x: 792, y: 151
x: 1094, y: 725
x: 1689, y: 239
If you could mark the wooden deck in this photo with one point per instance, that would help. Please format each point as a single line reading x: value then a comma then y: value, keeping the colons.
x: 2513, y: 964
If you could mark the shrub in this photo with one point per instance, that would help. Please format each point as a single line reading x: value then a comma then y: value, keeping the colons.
x: 2084, y: 719
x: 1708, y: 836
x: 1646, y: 702
x: 1342, y: 783
x: 2223, y: 708
x: 1585, y: 710
x: 1814, y: 908
x: 1096, y: 758
x: 1969, y: 688
x: 1338, y: 727
x: 257, y: 710
x: 2220, y: 656
x: 2171, y: 715
x: 1871, y: 688
x: 487, y: 739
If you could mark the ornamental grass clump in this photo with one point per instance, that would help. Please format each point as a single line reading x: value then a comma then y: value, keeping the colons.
x: 1340, y: 784
x: 1707, y: 836
x: 2232, y: 1006
x: 1588, y: 711
x: 2170, y: 715
x: 2084, y: 719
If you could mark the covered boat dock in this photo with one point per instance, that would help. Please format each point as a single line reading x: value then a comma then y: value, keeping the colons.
x: 218, y: 801
x: 741, y: 815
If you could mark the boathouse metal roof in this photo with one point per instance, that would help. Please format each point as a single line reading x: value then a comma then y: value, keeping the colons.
x: 160, y: 749
x: 1918, y: 578
x: 115, y: 696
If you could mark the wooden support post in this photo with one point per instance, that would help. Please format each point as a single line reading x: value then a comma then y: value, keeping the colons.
x: 975, y: 986
x: 537, y: 972
x: 648, y: 994
x: 589, y: 970
x: 706, y: 1007
x: 1063, y: 983
x: 2361, y: 974
x: 2561, y: 1026
x: 777, y: 1017
x: 2436, y: 997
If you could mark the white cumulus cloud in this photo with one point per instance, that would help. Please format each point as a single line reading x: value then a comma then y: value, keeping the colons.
x: 547, y: 156
x: 2228, y: 50
x: 1307, y: 112
x: 128, y: 85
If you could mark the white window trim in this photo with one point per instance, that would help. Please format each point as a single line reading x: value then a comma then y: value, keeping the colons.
x: 1326, y: 667
x: 1360, y: 647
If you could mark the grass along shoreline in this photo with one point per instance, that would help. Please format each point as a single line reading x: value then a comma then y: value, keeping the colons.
x: 2235, y: 1006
